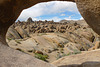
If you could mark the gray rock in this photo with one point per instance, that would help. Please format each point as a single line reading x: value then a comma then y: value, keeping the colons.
x: 13, y: 58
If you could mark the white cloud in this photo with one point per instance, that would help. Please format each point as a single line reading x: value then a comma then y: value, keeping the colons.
x: 56, y: 19
x: 48, y: 8
x: 62, y: 14
x: 70, y: 18
x: 81, y: 18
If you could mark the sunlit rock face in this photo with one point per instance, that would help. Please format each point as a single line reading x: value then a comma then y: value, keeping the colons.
x: 90, y: 10
x: 12, y: 58
x: 87, y: 59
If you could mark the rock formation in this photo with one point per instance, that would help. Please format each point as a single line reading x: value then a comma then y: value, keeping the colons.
x: 12, y: 58
x: 90, y: 11
x: 86, y: 59
x: 29, y: 27
x: 54, y: 39
x: 9, y: 12
x: 11, y: 9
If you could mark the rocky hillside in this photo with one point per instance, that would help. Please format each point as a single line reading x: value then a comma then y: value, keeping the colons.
x: 49, y: 40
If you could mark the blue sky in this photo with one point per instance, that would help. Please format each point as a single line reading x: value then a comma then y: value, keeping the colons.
x: 55, y: 10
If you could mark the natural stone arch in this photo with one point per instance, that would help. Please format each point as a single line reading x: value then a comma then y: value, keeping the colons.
x: 11, y: 9
x: 9, y: 12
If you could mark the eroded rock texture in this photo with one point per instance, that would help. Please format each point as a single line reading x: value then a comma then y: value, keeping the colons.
x: 87, y: 59
x: 90, y: 10
x: 12, y: 58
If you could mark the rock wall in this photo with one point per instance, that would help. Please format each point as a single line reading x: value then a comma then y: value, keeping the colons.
x: 90, y: 10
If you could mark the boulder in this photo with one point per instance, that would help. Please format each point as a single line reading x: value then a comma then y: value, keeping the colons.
x: 13, y: 58
x: 12, y: 33
x: 90, y: 11
x: 22, y: 32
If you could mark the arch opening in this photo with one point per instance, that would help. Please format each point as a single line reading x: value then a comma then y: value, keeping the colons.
x: 39, y: 32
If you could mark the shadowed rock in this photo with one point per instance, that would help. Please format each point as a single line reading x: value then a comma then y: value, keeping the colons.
x: 90, y: 10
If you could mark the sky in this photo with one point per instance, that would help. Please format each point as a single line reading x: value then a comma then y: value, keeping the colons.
x: 54, y: 10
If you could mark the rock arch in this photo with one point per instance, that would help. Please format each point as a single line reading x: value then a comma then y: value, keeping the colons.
x: 9, y: 12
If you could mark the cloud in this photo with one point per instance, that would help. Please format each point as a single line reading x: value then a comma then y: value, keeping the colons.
x: 56, y: 19
x: 81, y: 18
x: 62, y: 14
x: 70, y: 18
x: 48, y: 8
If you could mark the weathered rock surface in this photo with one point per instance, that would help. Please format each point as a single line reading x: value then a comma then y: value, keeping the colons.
x: 22, y: 32
x: 12, y: 33
x: 86, y: 59
x: 77, y: 37
x: 90, y: 11
x: 96, y: 46
x: 13, y: 58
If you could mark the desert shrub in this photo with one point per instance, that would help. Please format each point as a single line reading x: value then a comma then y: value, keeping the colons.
x: 70, y: 53
x: 9, y: 39
x: 60, y: 56
x: 76, y: 51
x: 41, y: 57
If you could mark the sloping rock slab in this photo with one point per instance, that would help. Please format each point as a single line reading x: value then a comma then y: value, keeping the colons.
x: 86, y: 59
x: 13, y: 58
